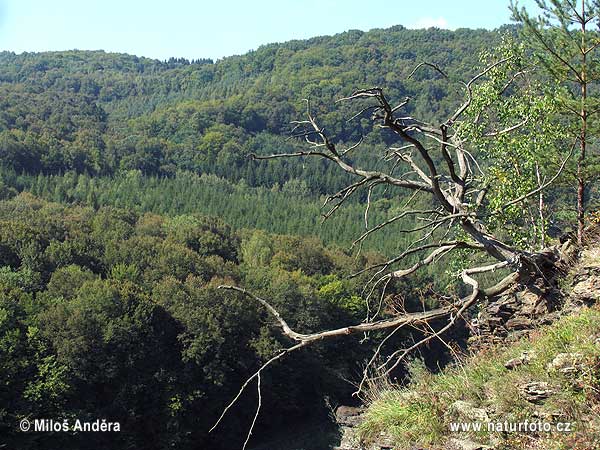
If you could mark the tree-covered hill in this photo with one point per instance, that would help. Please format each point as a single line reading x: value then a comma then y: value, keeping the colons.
x: 97, y: 114
x: 109, y: 305
x: 107, y: 313
x: 101, y: 113
x: 128, y: 199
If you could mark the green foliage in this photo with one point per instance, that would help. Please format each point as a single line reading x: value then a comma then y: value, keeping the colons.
x: 125, y: 272
x: 420, y: 414
x: 257, y: 250
x: 563, y: 39
x: 24, y: 279
x: 206, y: 236
x: 101, y: 113
x: 123, y: 320
x: 109, y: 305
x: 523, y: 159
x: 339, y: 293
x: 66, y: 281
x: 187, y: 194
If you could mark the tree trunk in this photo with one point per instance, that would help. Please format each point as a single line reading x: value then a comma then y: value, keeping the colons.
x: 583, y: 136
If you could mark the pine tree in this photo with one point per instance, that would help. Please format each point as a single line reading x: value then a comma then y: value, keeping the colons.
x: 565, y: 39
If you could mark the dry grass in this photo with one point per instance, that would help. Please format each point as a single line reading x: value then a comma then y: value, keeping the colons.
x: 420, y: 414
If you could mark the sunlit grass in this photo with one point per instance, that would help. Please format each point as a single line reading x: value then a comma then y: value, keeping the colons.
x: 421, y: 413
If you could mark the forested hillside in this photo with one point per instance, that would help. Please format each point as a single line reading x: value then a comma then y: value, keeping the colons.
x: 214, y: 254
x: 142, y: 200
x: 129, y: 194
x: 113, y: 314
x: 101, y: 114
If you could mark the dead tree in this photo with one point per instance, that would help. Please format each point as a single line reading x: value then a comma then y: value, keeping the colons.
x: 437, y: 163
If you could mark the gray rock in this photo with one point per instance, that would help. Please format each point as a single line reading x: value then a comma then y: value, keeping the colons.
x: 587, y: 291
x: 467, y: 411
x: 465, y: 444
x: 519, y: 323
x: 536, y: 391
x: 566, y: 363
x: 520, y: 360
x: 350, y: 440
x: 551, y: 416
x: 348, y: 415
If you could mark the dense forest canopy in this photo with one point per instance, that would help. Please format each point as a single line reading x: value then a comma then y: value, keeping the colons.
x: 90, y: 293
x: 101, y: 114
x: 115, y: 314
x: 127, y: 196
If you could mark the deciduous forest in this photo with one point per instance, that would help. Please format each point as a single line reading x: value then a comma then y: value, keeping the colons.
x: 131, y: 189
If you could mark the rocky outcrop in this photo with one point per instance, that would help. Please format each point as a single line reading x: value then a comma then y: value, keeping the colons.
x: 567, y: 364
x: 536, y: 391
x: 466, y: 444
x: 349, y: 418
x: 586, y: 278
x: 510, y: 318
x: 467, y: 412
x: 585, y: 289
x: 514, y: 315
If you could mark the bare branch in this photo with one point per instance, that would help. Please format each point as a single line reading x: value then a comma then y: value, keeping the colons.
x: 408, y: 319
x: 462, y: 306
x: 432, y: 65
x: 411, y: 251
x: 374, y: 357
x: 448, y: 180
x: 352, y: 147
x: 342, y: 195
x: 468, y: 85
x: 392, y: 220
x: 460, y: 182
x: 437, y: 253
x: 252, y: 377
x: 288, y: 155
x: 508, y: 130
x: 257, y: 411
x: 408, y: 159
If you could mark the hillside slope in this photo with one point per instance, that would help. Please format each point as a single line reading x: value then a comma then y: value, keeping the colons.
x: 99, y: 112
x: 540, y: 392
x: 78, y: 126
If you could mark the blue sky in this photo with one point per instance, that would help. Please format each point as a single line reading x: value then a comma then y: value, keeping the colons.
x: 217, y: 28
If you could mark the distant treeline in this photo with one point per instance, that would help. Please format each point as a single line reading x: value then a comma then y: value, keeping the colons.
x: 101, y: 113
